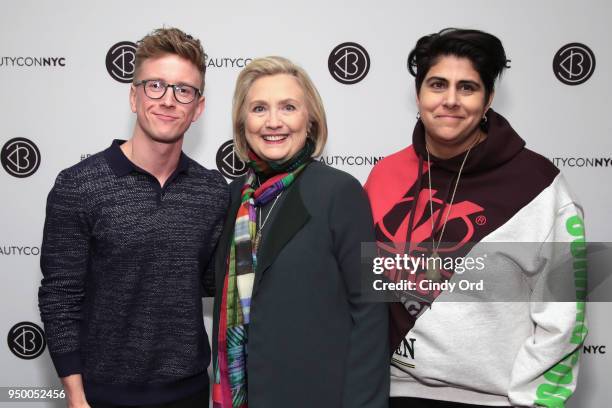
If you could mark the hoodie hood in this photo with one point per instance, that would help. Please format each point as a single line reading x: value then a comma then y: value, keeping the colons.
x: 501, y: 145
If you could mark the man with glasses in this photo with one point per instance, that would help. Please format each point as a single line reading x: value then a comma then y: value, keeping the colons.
x: 128, y: 238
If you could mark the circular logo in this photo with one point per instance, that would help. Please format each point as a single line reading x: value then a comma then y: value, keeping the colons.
x: 349, y: 63
x: 481, y: 220
x: 26, y: 340
x: 574, y: 64
x: 228, y: 162
x: 120, y: 61
x: 20, y: 157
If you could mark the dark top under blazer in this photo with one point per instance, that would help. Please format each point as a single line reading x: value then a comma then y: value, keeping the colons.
x: 312, y: 342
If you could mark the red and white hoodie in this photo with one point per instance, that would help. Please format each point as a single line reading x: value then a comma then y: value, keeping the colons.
x: 520, y: 353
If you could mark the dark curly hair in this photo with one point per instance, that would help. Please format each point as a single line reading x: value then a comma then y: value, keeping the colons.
x: 484, y: 50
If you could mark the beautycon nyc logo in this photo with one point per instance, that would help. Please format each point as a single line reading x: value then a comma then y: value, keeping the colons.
x: 574, y: 64
x: 19, y: 250
x: 349, y: 63
x: 228, y: 162
x: 26, y: 340
x: 20, y: 157
x: 226, y: 62
x: 120, y: 60
x: 32, y: 62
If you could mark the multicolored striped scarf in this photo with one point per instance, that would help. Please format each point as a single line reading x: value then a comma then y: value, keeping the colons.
x: 230, y: 368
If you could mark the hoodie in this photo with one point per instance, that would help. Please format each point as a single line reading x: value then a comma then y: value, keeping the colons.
x: 491, y: 350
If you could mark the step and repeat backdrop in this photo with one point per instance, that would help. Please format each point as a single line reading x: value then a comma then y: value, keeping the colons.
x: 65, y: 69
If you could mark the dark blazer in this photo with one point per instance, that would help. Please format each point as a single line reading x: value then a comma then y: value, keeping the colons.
x: 312, y: 342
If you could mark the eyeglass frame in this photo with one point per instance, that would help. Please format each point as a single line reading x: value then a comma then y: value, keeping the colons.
x: 143, y: 82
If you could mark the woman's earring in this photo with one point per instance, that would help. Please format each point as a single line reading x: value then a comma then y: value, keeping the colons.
x: 418, y: 116
x: 484, y: 125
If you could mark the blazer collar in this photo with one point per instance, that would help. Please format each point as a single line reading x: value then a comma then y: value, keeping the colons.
x: 291, y: 217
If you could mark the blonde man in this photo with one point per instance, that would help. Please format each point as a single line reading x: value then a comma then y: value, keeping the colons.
x: 128, y: 237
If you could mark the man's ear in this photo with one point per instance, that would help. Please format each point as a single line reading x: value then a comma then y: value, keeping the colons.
x: 200, y: 108
x: 133, y: 98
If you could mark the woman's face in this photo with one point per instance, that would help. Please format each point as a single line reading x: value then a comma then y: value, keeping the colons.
x: 452, y: 103
x: 276, y: 121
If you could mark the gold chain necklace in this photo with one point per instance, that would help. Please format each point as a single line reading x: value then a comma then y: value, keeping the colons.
x: 432, y: 272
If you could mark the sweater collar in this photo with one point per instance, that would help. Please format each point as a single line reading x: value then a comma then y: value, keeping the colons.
x: 122, y: 166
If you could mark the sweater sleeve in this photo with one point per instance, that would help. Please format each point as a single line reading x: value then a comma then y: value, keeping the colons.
x: 367, y: 380
x: 64, y: 258
x: 546, y: 367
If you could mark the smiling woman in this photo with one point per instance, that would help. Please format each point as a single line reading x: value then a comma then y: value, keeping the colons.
x: 276, y: 117
x: 288, y: 261
x: 451, y: 103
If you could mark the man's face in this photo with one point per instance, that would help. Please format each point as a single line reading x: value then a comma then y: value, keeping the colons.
x: 165, y: 120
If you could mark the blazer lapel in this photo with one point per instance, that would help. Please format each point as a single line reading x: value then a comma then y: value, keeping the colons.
x: 290, y: 219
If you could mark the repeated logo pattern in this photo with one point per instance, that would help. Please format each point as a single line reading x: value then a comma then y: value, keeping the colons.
x: 574, y: 64
x: 120, y: 60
x: 228, y: 162
x: 349, y: 63
x: 26, y: 340
x: 20, y: 157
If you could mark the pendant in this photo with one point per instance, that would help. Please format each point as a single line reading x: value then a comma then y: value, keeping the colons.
x: 433, y: 273
x: 257, y: 241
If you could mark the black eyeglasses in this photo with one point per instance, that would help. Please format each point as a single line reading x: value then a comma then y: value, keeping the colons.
x: 156, y: 89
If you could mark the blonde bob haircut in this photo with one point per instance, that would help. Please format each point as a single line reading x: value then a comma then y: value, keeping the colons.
x: 266, y: 66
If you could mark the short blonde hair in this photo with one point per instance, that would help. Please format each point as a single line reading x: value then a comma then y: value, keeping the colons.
x: 261, y: 67
x: 164, y: 41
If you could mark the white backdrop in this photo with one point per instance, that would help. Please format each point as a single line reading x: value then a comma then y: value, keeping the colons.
x: 76, y: 109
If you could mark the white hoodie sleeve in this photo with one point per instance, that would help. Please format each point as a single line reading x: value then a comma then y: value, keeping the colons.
x: 546, y: 367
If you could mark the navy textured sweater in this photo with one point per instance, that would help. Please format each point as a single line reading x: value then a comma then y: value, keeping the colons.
x: 125, y: 263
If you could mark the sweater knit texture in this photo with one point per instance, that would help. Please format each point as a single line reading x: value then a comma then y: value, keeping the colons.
x: 125, y: 264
